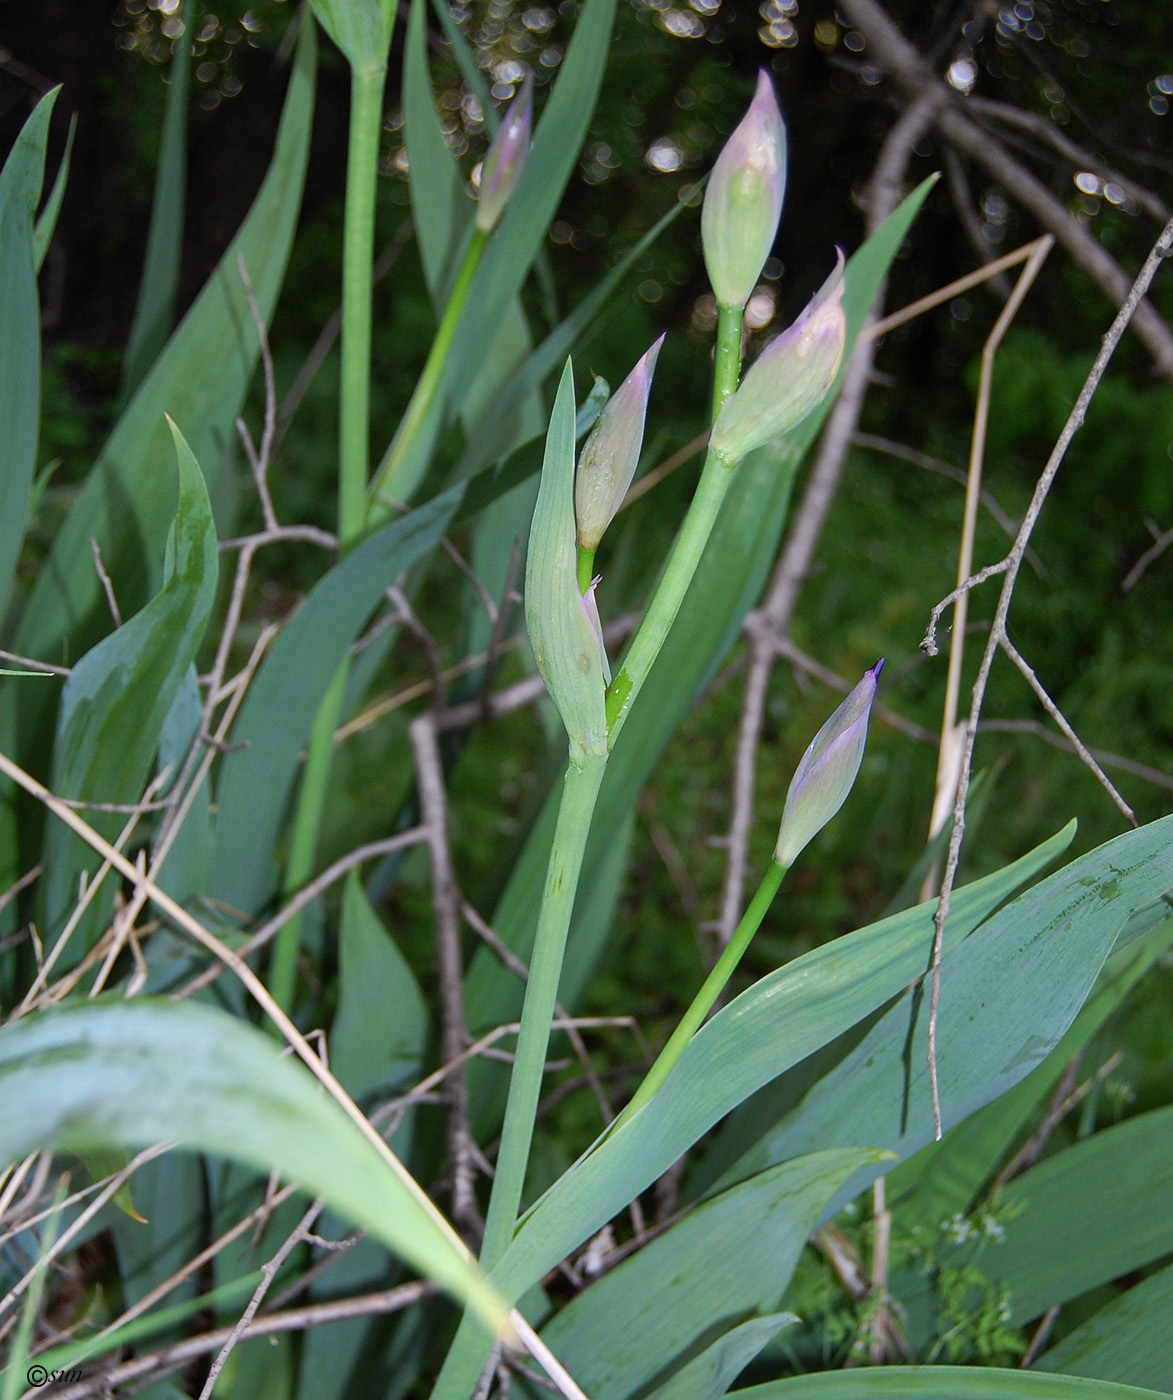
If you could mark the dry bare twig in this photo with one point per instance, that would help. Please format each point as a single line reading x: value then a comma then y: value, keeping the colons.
x: 998, y: 638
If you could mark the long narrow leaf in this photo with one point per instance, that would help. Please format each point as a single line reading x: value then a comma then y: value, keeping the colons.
x: 132, y: 1073
x: 940, y: 1383
x: 20, y: 332
x: 118, y: 696
x: 154, y: 311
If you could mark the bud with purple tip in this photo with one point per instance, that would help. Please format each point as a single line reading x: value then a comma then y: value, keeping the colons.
x: 827, y: 772
x: 789, y: 378
x: 507, y: 153
x: 611, y: 452
x: 743, y: 201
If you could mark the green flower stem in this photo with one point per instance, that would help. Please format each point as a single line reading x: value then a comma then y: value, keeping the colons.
x: 358, y: 241
x: 586, y: 568
x: 726, y: 355
x: 690, y: 543
x: 399, y: 474
x: 711, y: 989
x: 579, y: 792
x: 580, y: 788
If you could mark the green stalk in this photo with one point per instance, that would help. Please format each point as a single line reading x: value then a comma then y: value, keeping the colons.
x: 711, y: 989
x: 399, y: 474
x: 726, y: 355
x: 580, y: 788
x: 690, y: 543
x: 358, y: 240
x: 586, y: 568
x: 579, y: 792
x: 358, y: 245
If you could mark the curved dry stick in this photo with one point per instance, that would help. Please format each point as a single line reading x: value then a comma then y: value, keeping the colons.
x: 998, y: 638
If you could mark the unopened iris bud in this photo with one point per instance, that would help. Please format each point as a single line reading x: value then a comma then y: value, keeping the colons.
x: 827, y: 771
x: 743, y: 200
x: 507, y: 153
x: 610, y: 455
x: 788, y: 379
x: 563, y: 626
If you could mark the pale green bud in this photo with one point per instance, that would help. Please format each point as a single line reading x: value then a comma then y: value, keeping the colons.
x: 610, y: 455
x: 743, y: 200
x: 827, y: 772
x: 788, y: 379
x: 563, y: 626
x: 502, y: 168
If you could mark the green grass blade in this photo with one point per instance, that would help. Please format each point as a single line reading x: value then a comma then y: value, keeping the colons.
x: 442, y: 211
x: 709, y: 1375
x: 1007, y: 997
x: 1087, y: 1215
x: 20, y: 332
x: 552, y: 352
x: 47, y: 219
x: 557, y: 142
x: 772, y: 1026
x: 380, y: 1027
x: 154, y: 312
x: 947, y: 1181
x: 728, y: 1259
x: 1129, y: 1340
x: 940, y: 1383
x: 360, y: 28
x: 133, y: 1073
x: 115, y: 702
x: 200, y: 380
x: 278, y: 713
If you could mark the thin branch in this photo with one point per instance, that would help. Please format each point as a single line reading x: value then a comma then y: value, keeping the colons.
x: 888, y: 448
x: 104, y: 579
x: 259, y: 458
x: 30, y: 664
x: 446, y: 905
x: 113, y: 1185
x: 998, y: 636
x: 1028, y: 674
x: 1078, y: 157
x: 1160, y: 544
x: 160, y: 1363
x: 373, y: 850
x: 967, y: 217
x: 269, y: 1271
x: 889, y: 48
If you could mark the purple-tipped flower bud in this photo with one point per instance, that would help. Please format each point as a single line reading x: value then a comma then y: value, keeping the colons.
x: 827, y: 771
x: 789, y: 378
x: 507, y: 153
x: 611, y: 452
x: 743, y: 201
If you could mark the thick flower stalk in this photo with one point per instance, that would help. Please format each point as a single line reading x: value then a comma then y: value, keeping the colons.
x: 610, y: 455
x: 827, y: 772
x: 743, y: 200
x: 789, y: 379
x: 503, y: 164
